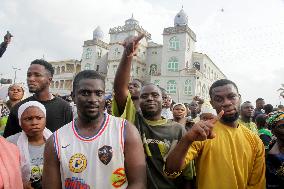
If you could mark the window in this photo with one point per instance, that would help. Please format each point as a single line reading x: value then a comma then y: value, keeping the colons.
x: 196, y: 65
x: 173, y: 64
x: 116, y: 52
x: 203, y: 91
x: 58, y: 70
x: 153, y: 69
x: 98, y: 66
x: 188, y: 45
x: 157, y: 82
x: 88, y: 53
x: 137, y: 70
x: 114, y: 67
x: 62, y: 69
x: 174, y: 43
x: 87, y: 66
x: 99, y: 53
x: 187, y: 87
x: 171, y: 87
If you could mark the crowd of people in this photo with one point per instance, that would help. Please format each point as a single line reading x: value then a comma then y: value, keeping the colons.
x: 138, y: 137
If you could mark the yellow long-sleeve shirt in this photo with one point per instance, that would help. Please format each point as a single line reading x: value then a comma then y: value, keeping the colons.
x: 234, y: 159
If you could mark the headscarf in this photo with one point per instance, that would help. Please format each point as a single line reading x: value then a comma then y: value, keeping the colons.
x: 274, y: 117
x: 28, y: 104
x: 23, y: 142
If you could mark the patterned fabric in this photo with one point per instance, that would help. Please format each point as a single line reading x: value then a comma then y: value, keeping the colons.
x: 274, y: 169
x: 250, y: 125
x: 274, y: 117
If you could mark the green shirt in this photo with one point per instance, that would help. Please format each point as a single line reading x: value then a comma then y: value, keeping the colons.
x: 250, y: 125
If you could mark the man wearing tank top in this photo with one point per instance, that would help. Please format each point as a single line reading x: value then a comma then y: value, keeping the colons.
x: 95, y: 150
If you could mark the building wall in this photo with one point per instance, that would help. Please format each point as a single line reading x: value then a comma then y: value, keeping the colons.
x: 65, y: 72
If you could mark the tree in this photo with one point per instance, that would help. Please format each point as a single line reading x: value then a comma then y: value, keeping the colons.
x: 281, y: 90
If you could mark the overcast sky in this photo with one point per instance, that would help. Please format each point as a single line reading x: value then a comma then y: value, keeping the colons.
x: 246, y: 40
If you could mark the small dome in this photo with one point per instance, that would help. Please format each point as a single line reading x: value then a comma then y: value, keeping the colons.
x: 98, y: 33
x: 181, y: 19
x: 131, y: 21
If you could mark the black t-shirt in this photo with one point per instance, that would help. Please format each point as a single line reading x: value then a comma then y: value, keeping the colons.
x: 158, y: 141
x: 58, y: 113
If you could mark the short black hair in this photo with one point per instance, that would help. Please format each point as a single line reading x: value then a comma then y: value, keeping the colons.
x: 246, y: 102
x: 260, y: 120
x: 45, y: 64
x: 268, y: 108
x: 259, y: 99
x: 140, y: 81
x: 221, y: 82
x: 86, y: 74
x: 152, y: 84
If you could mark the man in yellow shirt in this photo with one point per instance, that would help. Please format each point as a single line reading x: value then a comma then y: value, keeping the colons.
x: 247, y: 111
x: 228, y: 154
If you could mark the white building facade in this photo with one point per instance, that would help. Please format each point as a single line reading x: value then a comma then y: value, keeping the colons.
x: 173, y: 65
x: 64, y: 73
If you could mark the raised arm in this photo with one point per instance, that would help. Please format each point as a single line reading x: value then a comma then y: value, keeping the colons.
x: 122, y: 75
x: 51, y: 177
x: 200, y: 131
x: 135, y: 162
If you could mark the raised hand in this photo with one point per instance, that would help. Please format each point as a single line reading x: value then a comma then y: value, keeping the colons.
x: 131, y: 44
x: 203, y: 130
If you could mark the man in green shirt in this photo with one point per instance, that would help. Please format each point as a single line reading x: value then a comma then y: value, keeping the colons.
x: 158, y: 134
x: 247, y: 111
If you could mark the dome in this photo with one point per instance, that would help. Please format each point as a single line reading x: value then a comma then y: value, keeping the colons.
x: 181, y: 19
x: 98, y: 33
x: 131, y: 21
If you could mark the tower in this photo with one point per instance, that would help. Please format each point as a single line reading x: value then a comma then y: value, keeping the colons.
x: 95, y: 52
x: 178, y: 45
x: 119, y: 34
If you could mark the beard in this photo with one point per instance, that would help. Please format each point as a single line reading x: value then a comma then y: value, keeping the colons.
x: 230, y: 119
x: 149, y: 114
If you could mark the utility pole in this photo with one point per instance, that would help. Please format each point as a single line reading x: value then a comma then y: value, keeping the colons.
x: 15, y: 75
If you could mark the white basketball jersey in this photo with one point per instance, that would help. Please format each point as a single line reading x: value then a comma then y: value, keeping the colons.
x: 92, y: 163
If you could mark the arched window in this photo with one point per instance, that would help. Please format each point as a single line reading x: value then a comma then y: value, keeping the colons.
x: 58, y: 70
x: 196, y: 65
x: 63, y: 69
x: 188, y: 87
x: 174, y: 43
x: 88, y: 66
x: 116, y: 52
x: 153, y: 69
x: 173, y: 64
x: 203, y: 91
x: 171, y: 87
x: 88, y: 53
x: 99, y: 53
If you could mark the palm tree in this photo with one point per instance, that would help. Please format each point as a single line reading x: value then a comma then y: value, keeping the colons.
x: 281, y: 90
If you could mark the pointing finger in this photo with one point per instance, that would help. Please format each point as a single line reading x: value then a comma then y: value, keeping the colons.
x: 217, y: 118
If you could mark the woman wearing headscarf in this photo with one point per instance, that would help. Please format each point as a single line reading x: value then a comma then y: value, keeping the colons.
x: 179, y: 115
x: 15, y: 94
x: 275, y: 156
x: 31, y: 142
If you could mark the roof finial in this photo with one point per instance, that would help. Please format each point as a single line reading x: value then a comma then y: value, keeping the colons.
x: 132, y: 16
x: 181, y: 6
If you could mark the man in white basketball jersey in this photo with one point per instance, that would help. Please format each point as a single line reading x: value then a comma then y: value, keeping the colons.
x: 96, y: 150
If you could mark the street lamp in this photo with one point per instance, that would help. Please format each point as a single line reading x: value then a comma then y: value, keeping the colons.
x: 15, y: 75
